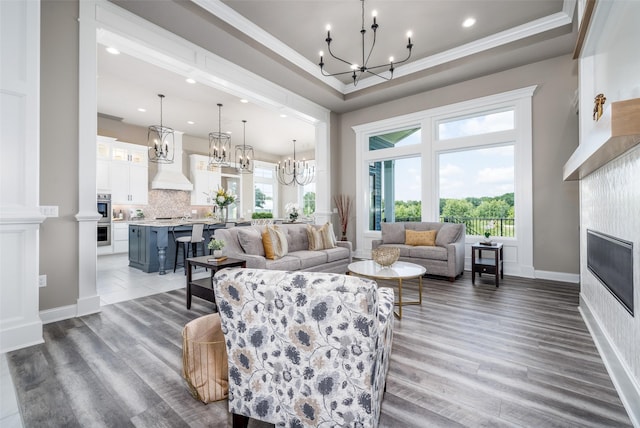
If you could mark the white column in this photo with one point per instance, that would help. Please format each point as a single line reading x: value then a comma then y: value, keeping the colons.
x: 20, y: 217
x: 323, y: 173
x: 87, y: 216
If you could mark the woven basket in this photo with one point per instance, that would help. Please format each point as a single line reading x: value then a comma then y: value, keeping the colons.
x: 204, y: 359
x: 385, y: 256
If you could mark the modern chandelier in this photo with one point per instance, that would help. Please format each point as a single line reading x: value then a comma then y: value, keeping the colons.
x: 356, y: 70
x: 293, y: 172
x: 160, y: 143
x: 219, y: 145
x: 244, y: 153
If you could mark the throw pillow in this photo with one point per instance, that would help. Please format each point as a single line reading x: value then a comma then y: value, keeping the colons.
x: 422, y: 238
x: 250, y: 240
x: 392, y: 233
x: 275, y: 243
x: 315, y: 238
x: 328, y: 236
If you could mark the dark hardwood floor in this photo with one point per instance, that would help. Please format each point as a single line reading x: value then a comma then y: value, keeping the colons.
x: 470, y: 356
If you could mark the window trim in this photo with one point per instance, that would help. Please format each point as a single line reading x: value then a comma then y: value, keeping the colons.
x: 272, y: 181
x: 520, y: 257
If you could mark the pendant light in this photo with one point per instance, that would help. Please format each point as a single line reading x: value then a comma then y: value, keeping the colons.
x: 244, y: 153
x: 219, y: 145
x: 295, y: 172
x: 160, y: 143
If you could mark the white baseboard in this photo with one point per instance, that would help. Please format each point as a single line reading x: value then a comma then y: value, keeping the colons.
x: 558, y: 276
x: 20, y: 336
x: 58, y: 314
x: 628, y: 389
x: 88, y: 305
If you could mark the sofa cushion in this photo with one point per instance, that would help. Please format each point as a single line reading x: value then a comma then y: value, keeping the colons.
x: 448, y: 233
x: 337, y: 253
x: 250, y: 240
x: 315, y: 238
x: 428, y: 252
x: 274, y: 242
x: 392, y: 233
x: 404, y: 249
x: 310, y: 258
x: 296, y: 237
x: 285, y: 263
x: 328, y: 236
x: 422, y: 237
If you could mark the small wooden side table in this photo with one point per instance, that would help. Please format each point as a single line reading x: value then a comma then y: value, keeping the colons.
x: 203, y: 287
x: 492, y: 266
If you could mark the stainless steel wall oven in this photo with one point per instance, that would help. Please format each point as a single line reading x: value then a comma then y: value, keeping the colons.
x: 104, y: 223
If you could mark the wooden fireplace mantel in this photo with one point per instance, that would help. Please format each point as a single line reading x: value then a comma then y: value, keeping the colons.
x: 617, y: 131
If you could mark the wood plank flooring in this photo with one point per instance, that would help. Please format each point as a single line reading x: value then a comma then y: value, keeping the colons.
x: 470, y: 356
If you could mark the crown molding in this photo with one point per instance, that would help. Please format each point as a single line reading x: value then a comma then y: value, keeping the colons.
x: 233, y: 18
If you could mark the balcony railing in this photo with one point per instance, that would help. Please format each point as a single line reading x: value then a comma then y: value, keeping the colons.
x: 477, y: 225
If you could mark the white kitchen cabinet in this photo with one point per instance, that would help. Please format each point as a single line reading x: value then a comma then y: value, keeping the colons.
x: 103, y: 164
x: 204, y: 180
x: 129, y: 174
x: 120, y: 237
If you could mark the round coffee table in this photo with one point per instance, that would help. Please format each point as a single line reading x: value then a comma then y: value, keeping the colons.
x: 399, y: 271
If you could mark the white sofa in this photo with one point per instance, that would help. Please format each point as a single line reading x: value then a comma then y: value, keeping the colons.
x: 245, y: 243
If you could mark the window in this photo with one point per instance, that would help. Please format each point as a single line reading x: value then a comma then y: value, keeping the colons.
x: 477, y: 189
x: 468, y: 162
x: 401, y: 138
x: 265, y: 188
x: 308, y: 199
x: 476, y: 125
x: 394, y: 191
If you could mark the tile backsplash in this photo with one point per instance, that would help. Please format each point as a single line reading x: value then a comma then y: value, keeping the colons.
x: 166, y: 203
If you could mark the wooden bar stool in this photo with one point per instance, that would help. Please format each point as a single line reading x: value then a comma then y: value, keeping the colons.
x: 189, y: 241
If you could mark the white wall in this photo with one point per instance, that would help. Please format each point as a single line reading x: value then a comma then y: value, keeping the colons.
x: 610, y: 196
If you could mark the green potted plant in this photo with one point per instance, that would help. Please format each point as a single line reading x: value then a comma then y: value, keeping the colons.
x: 216, y: 245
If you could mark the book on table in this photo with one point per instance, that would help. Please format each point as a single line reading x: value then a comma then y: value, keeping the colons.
x: 217, y: 259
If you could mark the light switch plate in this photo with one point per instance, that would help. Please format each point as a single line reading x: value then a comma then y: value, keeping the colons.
x: 42, y: 281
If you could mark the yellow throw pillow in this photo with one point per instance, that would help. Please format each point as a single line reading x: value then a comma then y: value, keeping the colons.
x: 420, y: 237
x: 274, y: 242
x: 315, y: 238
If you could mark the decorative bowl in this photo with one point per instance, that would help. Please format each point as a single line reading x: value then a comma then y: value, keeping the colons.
x: 385, y: 256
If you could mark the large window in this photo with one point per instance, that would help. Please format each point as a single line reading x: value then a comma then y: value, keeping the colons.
x: 469, y: 162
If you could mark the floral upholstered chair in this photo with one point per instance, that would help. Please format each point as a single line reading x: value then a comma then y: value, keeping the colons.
x: 305, y: 348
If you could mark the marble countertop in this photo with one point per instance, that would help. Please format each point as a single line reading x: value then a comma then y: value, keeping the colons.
x: 173, y: 222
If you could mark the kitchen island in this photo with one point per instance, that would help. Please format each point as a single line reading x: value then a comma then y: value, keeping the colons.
x: 152, y: 246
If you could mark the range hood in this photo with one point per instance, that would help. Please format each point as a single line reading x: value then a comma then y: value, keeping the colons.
x: 169, y: 175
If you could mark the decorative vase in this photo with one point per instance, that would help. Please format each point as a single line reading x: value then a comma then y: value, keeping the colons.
x: 293, y: 217
x: 217, y: 253
x: 224, y: 211
x: 344, y: 235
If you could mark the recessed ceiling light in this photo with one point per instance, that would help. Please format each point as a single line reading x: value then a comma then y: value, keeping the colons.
x: 190, y: 80
x: 140, y: 109
x: 190, y: 122
x: 244, y: 101
x: 283, y: 115
x: 113, y: 50
x: 228, y: 132
x: 469, y: 22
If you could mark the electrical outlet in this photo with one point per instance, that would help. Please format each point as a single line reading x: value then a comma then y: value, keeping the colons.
x: 42, y: 281
x: 49, y: 210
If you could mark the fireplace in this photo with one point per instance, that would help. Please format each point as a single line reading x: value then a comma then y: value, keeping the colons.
x: 610, y: 259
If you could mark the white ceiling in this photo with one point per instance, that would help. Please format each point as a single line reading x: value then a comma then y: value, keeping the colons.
x: 280, y: 40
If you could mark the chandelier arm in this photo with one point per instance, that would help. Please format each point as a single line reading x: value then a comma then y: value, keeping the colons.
x: 337, y: 57
x: 335, y: 74
x: 364, y: 63
x: 379, y: 75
